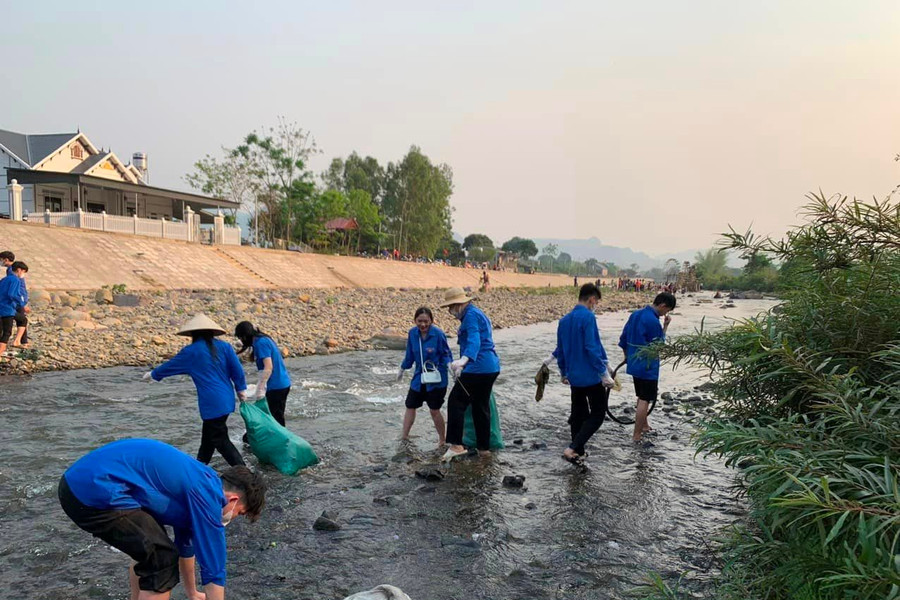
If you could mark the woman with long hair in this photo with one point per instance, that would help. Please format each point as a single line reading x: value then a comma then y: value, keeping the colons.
x: 426, y: 350
x: 217, y: 374
x: 274, y: 382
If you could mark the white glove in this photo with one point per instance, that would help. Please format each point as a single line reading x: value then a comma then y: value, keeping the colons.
x: 260, y: 391
x: 148, y: 376
x: 548, y: 360
x: 457, y: 366
x: 606, y: 380
x: 400, y: 373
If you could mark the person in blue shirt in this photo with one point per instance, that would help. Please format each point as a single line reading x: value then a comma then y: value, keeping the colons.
x: 642, y: 329
x: 426, y: 350
x: 11, y: 301
x: 216, y: 371
x: 475, y: 371
x: 126, y: 492
x: 274, y: 383
x: 583, y: 366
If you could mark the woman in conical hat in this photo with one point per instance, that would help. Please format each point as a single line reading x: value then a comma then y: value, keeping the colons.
x: 216, y: 371
x: 475, y: 371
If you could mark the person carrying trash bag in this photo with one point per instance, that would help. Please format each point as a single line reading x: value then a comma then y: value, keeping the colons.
x: 217, y: 373
x: 469, y: 438
x: 273, y: 444
x: 274, y: 383
x: 475, y: 371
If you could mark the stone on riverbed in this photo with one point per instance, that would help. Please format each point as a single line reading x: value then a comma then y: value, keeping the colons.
x: 327, y: 522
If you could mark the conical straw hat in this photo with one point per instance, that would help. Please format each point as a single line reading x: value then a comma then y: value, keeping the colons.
x: 456, y: 296
x: 200, y: 323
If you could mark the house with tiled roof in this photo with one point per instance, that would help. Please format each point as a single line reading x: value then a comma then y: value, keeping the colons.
x: 66, y: 172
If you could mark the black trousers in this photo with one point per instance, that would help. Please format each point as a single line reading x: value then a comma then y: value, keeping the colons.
x: 277, y: 400
x: 6, y: 327
x: 22, y: 321
x: 135, y: 532
x: 215, y: 437
x: 474, y: 389
x: 588, y: 411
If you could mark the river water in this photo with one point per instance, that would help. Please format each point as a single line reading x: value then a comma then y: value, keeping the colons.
x: 567, y: 534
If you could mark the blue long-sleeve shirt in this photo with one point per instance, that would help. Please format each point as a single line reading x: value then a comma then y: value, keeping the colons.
x: 263, y: 348
x: 579, y: 351
x: 177, y: 489
x: 216, y: 380
x: 476, y: 340
x: 11, y: 299
x: 641, y: 329
x: 436, y: 350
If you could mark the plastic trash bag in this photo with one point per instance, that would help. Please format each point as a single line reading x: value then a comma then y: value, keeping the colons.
x: 273, y: 444
x: 382, y: 592
x: 469, y: 440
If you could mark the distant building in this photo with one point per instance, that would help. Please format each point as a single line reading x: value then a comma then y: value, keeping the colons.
x: 65, y: 172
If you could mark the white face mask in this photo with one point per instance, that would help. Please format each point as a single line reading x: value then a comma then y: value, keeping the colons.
x: 226, y: 518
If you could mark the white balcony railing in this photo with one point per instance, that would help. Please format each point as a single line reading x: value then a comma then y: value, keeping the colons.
x: 158, y: 228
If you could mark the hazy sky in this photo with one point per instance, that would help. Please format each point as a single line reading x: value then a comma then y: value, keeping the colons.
x: 651, y: 125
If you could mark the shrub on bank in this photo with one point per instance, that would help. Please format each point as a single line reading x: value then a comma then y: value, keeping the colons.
x: 811, y: 412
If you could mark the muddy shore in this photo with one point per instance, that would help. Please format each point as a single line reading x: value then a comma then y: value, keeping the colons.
x: 88, y: 330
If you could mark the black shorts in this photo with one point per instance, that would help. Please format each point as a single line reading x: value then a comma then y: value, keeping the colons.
x: 646, y: 389
x: 6, y: 327
x: 134, y: 532
x: 434, y: 399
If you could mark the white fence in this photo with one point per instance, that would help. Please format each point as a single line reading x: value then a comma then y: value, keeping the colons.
x: 159, y: 228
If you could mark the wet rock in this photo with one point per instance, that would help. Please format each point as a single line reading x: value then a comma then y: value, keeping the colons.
x: 430, y: 474
x: 518, y: 442
x: 327, y: 522
x: 693, y: 399
x: 628, y: 410
x: 426, y: 489
x: 706, y: 386
x: 379, y: 468
x: 668, y: 402
x: 530, y: 505
x: 668, y: 409
x: 455, y: 540
x: 386, y: 500
x: 126, y: 300
x: 513, y: 481
x: 539, y: 445
x: 666, y: 396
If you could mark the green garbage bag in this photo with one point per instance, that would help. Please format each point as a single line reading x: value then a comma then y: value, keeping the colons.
x: 273, y: 444
x: 469, y: 428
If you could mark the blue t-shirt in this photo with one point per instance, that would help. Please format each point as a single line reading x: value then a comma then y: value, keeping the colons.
x: 476, y: 340
x: 177, y: 489
x: 11, y: 299
x: 216, y: 380
x: 436, y: 350
x: 264, y: 347
x: 641, y: 329
x: 579, y: 351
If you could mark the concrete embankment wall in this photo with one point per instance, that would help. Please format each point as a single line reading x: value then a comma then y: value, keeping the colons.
x: 63, y: 258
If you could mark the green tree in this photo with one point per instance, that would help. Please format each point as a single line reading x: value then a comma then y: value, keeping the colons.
x: 521, y: 247
x: 450, y: 249
x: 550, y: 251
x: 229, y: 178
x: 416, y: 203
x: 712, y: 268
x: 479, y: 247
x: 368, y: 219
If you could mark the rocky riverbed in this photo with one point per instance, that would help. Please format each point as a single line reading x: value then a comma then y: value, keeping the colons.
x: 94, y: 329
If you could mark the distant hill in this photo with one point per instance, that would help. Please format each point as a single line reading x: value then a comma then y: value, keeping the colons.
x: 582, y: 250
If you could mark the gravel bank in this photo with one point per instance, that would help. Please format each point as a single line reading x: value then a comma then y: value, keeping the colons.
x: 79, y: 330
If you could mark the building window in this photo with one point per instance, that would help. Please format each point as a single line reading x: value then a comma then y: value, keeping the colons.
x: 77, y: 152
x: 53, y: 203
x: 93, y: 207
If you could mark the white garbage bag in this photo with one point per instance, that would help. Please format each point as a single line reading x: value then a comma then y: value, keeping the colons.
x: 382, y: 592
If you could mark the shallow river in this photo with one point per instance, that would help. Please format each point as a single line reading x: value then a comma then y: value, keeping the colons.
x: 566, y: 535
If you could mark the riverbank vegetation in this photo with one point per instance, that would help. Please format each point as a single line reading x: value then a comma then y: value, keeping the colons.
x: 810, y: 412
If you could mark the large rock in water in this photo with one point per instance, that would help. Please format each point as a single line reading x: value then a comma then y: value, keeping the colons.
x: 748, y: 295
x: 390, y: 339
x: 382, y: 592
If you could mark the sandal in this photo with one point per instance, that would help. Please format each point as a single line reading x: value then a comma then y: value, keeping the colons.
x: 450, y: 454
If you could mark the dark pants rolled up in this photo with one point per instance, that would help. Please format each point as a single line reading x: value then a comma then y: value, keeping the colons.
x: 22, y: 322
x: 588, y: 411
x: 135, y: 532
x: 478, y: 386
x: 215, y: 437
